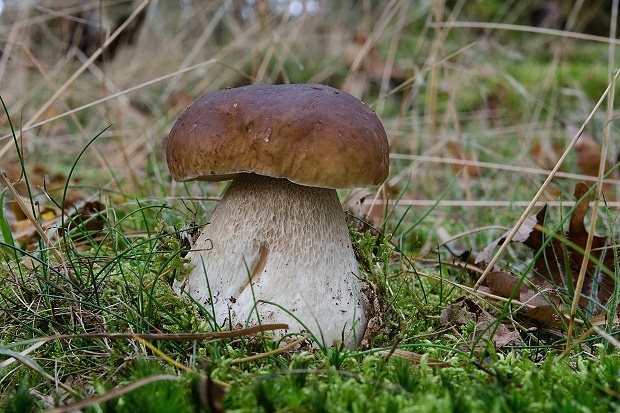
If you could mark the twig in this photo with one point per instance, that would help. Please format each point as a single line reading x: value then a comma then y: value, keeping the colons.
x: 272, y: 352
x: 172, y: 337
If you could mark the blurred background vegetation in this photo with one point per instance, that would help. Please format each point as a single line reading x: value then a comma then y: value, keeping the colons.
x: 447, y: 79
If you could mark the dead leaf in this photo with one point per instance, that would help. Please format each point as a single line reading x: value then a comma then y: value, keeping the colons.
x: 41, y: 183
x: 84, y: 219
x: 522, y: 235
x: 26, y: 234
x: 370, y: 208
x: 589, y: 155
x: 578, y: 234
x: 371, y: 64
x: 558, y: 266
x: 542, y: 307
x: 546, y: 154
x: 459, y: 313
x: 208, y: 394
x: 457, y: 152
x: 89, y: 216
x: 492, y: 111
x: 503, y: 284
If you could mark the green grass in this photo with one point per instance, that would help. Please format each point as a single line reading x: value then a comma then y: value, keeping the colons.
x: 119, y: 229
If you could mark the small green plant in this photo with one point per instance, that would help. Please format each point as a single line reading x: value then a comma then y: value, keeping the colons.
x: 19, y: 400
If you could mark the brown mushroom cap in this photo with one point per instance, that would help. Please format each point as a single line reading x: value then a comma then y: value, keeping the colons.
x: 310, y: 134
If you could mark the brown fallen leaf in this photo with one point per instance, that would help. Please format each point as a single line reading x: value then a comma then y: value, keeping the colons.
x: 589, y: 156
x: 558, y: 266
x: 588, y: 160
x: 541, y: 305
x: 85, y: 219
x: 41, y: 183
x: 26, y: 234
x: 88, y: 216
x: 457, y: 152
x: 463, y: 310
x: 208, y: 394
x: 524, y: 233
x: 543, y: 308
x: 503, y: 284
x: 578, y: 234
x: 548, y: 266
x: 371, y: 63
x: 546, y: 154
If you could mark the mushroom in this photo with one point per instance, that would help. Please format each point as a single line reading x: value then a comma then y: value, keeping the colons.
x: 277, y: 249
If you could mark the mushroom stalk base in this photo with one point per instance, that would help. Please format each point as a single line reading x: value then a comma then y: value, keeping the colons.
x: 274, y: 245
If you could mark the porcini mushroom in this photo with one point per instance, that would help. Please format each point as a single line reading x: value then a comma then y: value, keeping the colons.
x: 278, y: 244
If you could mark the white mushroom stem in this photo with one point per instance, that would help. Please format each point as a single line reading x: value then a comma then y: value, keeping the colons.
x: 271, y: 241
